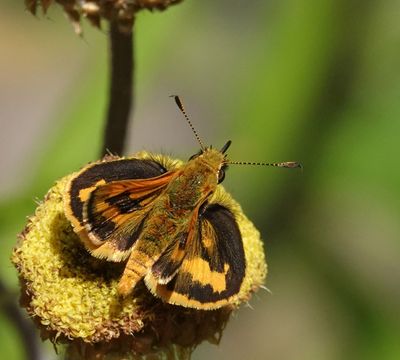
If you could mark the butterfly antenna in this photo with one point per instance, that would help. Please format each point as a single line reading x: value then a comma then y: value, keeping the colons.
x: 286, y: 164
x: 182, y: 109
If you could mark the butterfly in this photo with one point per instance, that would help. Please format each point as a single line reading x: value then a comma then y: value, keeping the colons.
x: 162, y: 219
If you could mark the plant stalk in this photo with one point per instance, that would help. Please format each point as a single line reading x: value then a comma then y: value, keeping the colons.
x: 120, y: 90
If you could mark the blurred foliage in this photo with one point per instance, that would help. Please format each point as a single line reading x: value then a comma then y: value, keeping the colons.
x: 314, y: 81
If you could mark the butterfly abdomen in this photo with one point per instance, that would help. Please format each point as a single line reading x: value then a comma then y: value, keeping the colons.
x: 158, y: 238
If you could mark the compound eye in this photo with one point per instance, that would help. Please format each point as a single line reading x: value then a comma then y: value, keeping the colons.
x: 221, y: 175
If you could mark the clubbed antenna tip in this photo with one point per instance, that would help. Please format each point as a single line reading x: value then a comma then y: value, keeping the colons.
x: 286, y: 164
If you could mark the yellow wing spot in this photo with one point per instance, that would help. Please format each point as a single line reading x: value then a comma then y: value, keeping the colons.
x: 200, y: 271
x: 181, y: 299
x: 85, y: 193
x: 207, y: 242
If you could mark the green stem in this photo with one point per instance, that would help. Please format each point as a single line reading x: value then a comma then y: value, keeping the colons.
x: 121, y: 88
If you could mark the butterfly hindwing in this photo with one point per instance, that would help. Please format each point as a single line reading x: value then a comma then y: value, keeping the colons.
x: 213, y: 267
x: 167, y: 265
x: 169, y: 262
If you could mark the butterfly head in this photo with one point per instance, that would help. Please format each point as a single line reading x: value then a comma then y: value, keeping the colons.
x: 211, y: 161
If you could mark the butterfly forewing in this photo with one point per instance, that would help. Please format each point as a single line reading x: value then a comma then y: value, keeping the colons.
x: 104, y: 172
x: 107, y: 207
x: 121, y: 204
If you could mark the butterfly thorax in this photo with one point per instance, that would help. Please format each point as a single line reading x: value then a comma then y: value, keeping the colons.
x: 195, y: 181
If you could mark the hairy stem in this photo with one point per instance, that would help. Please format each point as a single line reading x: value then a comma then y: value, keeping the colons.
x: 120, y: 93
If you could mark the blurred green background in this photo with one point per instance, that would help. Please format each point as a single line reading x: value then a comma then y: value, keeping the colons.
x: 315, y: 80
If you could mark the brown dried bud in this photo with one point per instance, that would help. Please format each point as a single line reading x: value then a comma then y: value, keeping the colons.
x: 120, y: 11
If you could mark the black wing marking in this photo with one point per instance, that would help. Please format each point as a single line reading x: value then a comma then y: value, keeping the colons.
x: 167, y: 265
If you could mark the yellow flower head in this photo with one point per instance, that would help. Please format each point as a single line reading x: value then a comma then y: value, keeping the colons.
x: 73, y: 295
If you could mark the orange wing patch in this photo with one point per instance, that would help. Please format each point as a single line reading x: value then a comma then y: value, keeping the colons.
x: 107, y: 203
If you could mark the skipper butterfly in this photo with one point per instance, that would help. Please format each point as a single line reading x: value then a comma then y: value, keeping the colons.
x: 164, y: 221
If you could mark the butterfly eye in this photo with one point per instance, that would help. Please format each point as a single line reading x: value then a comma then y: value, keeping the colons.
x: 196, y: 155
x: 221, y: 173
x: 221, y: 176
